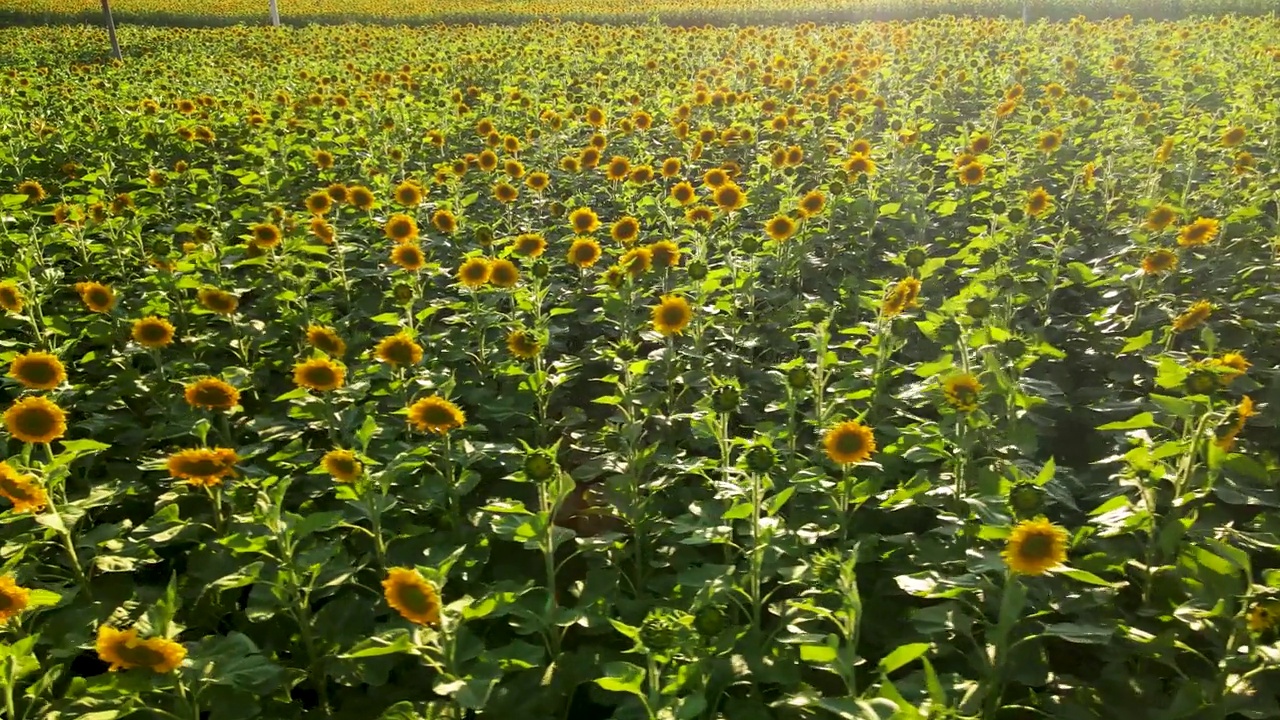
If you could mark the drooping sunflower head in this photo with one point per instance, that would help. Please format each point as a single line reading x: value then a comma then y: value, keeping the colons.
x: 1200, y: 232
x: 584, y: 221
x: 342, y: 465
x: 436, y: 415
x: 1194, y: 316
x: 399, y: 350
x: 625, y: 230
x: 1039, y: 203
x: 218, y: 301
x: 523, y: 344
x: 203, y: 466
x: 13, y: 598
x: 408, y: 256
x: 1158, y: 262
x: 530, y: 245
x: 584, y: 252
x: 401, y: 228
x: 849, y: 442
x: 124, y: 650
x: 38, y: 370
x: 211, y: 394
x: 96, y: 296
x: 319, y: 374
x: 780, y: 227
x: 1236, y: 365
x: 672, y: 315
x: 474, y: 272
x: 10, y: 297
x: 22, y: 490
x: 962, y: 392
x: 326, y: 340
x: 1035, y: 547
x: 503, y: 273
x: 409, y: 594
x: 35, y: 419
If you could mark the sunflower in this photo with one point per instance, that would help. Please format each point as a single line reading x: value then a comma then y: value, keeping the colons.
x: 1049, y: 141
x: 265, y: 235
x: 474, y: 272
x: 859, y: 165
x: 584, y: 252
x: 860, y: 146
x: 320, y: 374
x: 505, y: 193
x: 322, y: 230
x: 537, y: 181
x: 665, y: 253
x: 21, y: 490
x: 1263, y: 616
x: 530, y: 245
x: 617, y: 169
x: 10, y: 297
x: 326, y: 340
x: 13, y: 598
x: 436, y: 415
x: 1193, y: 317
x: 1159, y: 218
x: 1233, y: 136
x: 1227, y: 433
x: 625, y: 230
x: 1200, y: 232
x: 408, y: 256
x: 1236, y: 365
x: 584, y: 221
x: 513, y: 168
x: 399, y: 350
x: 218, y: 301
x: 699, y: 215
x: 523, y: 344
x: 961, y: 392
x: 488, y: 161
x: 203, y: 466
x: 1035, y: 546
x: 124, y: 650
x: 812, y: 203
x: 683, y: 193
x: 35, y: 419
x: 902, y: 296
x: 972, y: 173
x: 444, y: 221
x: 319, y: 203
x: 503, y: 273
x: 38, y: 370
x: 211, y: 394
x: 361, y: 197
x: 780, y: 227
x: 408, y: 194
x: 96, y: 296
x: 729, y: 197
x: 342, y: 465
x: 671, y: 167
x: 636, y: 262
x: 401, y: 228
x: 1159, y: 261
x: 1039, y: 203
x: 849, y: 442
x: 671, y: 315
x: 715, y: 177
x: 412, y: 596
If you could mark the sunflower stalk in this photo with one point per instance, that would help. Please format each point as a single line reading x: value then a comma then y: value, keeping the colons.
x: 1013, y: 598
x: 64, y: 532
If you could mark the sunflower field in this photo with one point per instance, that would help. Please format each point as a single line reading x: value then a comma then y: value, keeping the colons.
x: 566, y: 371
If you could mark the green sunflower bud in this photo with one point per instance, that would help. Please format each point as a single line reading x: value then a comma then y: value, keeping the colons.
x: 798, y: 377
x: 725, y: 399
x: 760, y: 459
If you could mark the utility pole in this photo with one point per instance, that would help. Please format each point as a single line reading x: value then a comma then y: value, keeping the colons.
x: 275, y: 14
x: 111, y: 29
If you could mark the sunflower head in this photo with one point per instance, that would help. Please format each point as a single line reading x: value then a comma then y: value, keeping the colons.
x: 22, y: 490
x: 671, y: 315
x: 35, y: 419
x: 530, y: 245
x: 408, y: 194
x: 584, y: 252
x: 729, y: 197
x: 361, y: 197
x: 401, y: 228
x: 409, y: 594
x: 399, y: 350
x: 474, y: 272
x: 505, y: 193
x: 444, y: 221
x: 812, y: 203
x: 503, y: 273
x: 124, y: 650
x: 96, y: 296
x: 1035, y: 547
x: 665, y: 253
x: 265, y: 235
x: 1158, y: 262
x: 38, y: 370
x: 962, y: 391
x: 211, y: 394
x: 203, y: 466
x: 436, y: 415
x: 625, y: 230
x: 408, y: 256
x: 1200, y: 232
x: 1193, y: 317
x: 584, y: 221
x: 523, y: 344
x: 326, y: 340
x: 636, y: 262
x: 780, y: 227
x: 683, y: 193
x: 319, y: 374
x: 319, y: 203
x: 13, y: 598
x: 342, y: 465
x: 153, y: 332
x: 10, y: 297
x: 1234, y: 136
x: 1039, y: 203
x: 849, y: 442
x: 537, y: 181
x: 972, y: 173
x: 858, y: 165
x: 617, y: 168
x: 218, y: 301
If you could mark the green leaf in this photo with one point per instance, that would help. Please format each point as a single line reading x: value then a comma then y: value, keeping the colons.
x: 777, y: 501
x: 1046, y: 473
x: 902, y: 655
x: 890, y: 208
x: 818, y: 653
x: 399, y: 642
x: 1081, y: 633
x: 1137, y: 422
x: 622, y: 677
x: 1084, y: 576
x: 1177, y: 407
x: 1135, y: 344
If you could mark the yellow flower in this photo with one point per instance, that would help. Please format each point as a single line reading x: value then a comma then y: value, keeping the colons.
x: 444, y: 221
x: 38, y: 371
x: 902, y: 296
x: 218, y: 301
x: 124, y: 650
x: 13, y: 598
x: 1039, y: 203
x: 505, y: 193
x: 859, y: 165
x: 401, y: 228
x: 1228, y: 432
x: 1263, y: 616
x: 972, y: 173
x: 584, y: 252
x: 319, y: 203
x: 408, y: 256
x: 408, y: 194
x: 265, y: 235
x: 1159, y: 218
x: 326, y: 340
x: 636, y: 262
x: 1035, y: 546
x: 503, y: 273
x: 625, y: 230
x: 342, y: 465
x: 10, y: 297
x: 35, y: 419
x: 584, y: 221
x: 1159, y: 262
x: 1193, y: 317
x: 665, y: 253
x: 523, y: 344
x: 153, y: 332
x: 211, y: 394
x: 683, y: 193
x: 203, y: 466
x: 399, y: 350
x: 320, y: 374
x: 530, y: 245
x: 361, y: 197
x: 780, y: 227
x: 1200, y: 232
x: 849, y: 442
x: 21, y: 490
x: 412, y: 596
x: 812, y: 203
x: 96, y: 296
x: 436, y: 415
x: 961, y: 391
x: 1234, y: 136
x: 672, y: 315
x: 1237, y: 363
x: 617, y: 169
x: 474, y: 272
x: 729, y: 197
